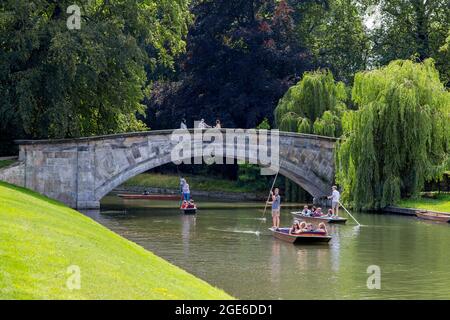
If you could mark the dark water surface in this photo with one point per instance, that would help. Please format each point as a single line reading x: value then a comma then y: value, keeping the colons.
x: 229, y: 246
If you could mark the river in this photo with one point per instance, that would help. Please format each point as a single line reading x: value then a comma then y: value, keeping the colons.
x: 229, y: 246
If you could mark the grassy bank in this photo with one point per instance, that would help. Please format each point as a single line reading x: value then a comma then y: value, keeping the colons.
x: 441, y: 203
x: 41, y: 238
x: 202, y: 183
x: 5, y: 163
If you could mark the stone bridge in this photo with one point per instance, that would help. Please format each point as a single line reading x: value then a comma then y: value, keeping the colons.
x: 80, y: 172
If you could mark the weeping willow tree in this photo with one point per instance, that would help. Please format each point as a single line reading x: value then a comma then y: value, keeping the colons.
x: 314, y: 105
x: 398, y: 138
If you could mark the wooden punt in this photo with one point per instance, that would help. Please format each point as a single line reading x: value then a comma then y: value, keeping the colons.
x: 434, y: 216
x: 325, y: 219
x: 150, y: 196
x: 189, y: 210
x: 304, y: 237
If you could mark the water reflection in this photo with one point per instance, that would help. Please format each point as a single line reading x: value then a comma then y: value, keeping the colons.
x: 187, y: 231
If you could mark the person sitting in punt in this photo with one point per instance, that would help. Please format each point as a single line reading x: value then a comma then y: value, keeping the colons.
x: 313, y: 211
x: 303, y: 227
x: 330, y: 213
x: 310, y: 227
x: 295, y: 229
x: 323, y: 227
x: 306, y: 211
x: 191, y: 204
x: 184, y: 205
x: 318, y: 212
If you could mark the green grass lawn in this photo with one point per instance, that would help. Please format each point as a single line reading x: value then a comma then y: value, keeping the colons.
x: 5, y: 163
x: 203, y: 183
x: 441, y: 203
x: 41, y: 238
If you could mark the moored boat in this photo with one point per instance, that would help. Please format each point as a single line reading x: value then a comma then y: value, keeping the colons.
x: 434, y: 216
x: 304, y: 237
x: 324, y: 218
x: 150, y: 196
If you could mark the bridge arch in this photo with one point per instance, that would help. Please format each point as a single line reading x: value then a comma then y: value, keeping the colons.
x: 80, y: 172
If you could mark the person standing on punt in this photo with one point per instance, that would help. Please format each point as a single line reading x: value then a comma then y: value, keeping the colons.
x: 276, y: 205
x: 335, y: 198
x: 186, y: 191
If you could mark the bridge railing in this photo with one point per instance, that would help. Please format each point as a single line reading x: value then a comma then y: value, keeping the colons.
x: 159, y: 132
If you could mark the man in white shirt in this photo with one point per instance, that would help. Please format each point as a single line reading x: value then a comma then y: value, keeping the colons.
x: 335, y: 198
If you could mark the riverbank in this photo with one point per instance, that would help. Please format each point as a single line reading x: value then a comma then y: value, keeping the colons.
x: 440, y: 203
x: 42, y: 242
x: 201, y: 186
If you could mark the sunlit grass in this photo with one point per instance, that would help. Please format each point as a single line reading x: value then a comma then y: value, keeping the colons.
x: 441, y: 203
x: 40, y: 238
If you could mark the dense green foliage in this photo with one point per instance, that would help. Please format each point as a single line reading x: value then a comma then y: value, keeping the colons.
x: 313, y: 105
x: 413, y: 28
x: 242, y: 56
x: 443, y: 60
x: 56, y: 82
x: 398, y: 138
x: 41, y: 238
x: 335, y: 36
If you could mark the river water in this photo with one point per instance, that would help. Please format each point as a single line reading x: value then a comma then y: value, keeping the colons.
x: 229, y: 246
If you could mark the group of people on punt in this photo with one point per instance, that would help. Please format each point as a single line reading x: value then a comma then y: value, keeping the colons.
x: 301, y: 227
x: 332, y: 213
x: 188, y: 204
x: 317, y: 212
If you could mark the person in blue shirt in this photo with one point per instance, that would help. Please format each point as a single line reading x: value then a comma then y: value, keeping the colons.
x: 276, y: 205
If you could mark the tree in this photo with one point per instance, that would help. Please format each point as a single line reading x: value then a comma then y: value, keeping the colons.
x: 412, y: 28
x: 443, y: 61
x: 398, y: 138
x: 313, y: 105
x: 241, y: 58
x: 336, y: 37
x: 56, y: 82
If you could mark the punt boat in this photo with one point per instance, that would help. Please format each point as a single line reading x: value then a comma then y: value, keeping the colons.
x: 434, y: 216
x: 189, y: 210
x: 324, y: 218
x: 304, y: 237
